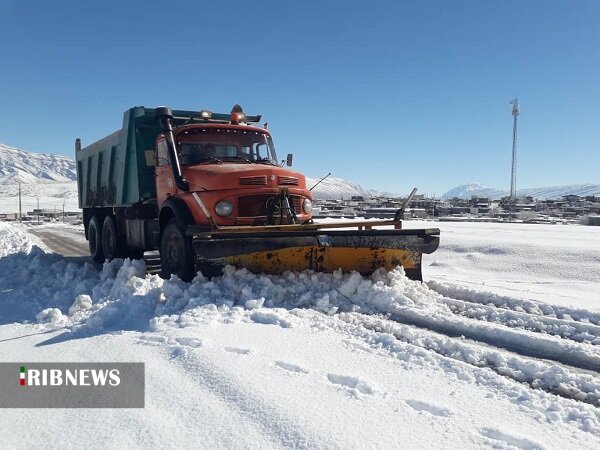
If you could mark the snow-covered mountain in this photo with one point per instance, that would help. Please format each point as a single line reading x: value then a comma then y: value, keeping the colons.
x: 467, y: 190
x: 18, y: 165
x: 541, y: 193
x: 45, y: 180
x: 337, y: 188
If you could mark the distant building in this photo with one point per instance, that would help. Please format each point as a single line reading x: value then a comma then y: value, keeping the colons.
x: 9, y: 216
x: 591, y: 220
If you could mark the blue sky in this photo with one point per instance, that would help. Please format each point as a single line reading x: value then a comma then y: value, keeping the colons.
x: 388, y: 94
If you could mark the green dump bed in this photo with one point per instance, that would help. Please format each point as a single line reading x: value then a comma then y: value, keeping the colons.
x: 117, y: 170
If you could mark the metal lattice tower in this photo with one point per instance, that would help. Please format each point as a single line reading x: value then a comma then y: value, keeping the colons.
x: 513, y: 173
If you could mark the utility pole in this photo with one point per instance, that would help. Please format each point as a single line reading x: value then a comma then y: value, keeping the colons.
x: 38, y: 209
x: 20, y: 216
x: 513, y: 173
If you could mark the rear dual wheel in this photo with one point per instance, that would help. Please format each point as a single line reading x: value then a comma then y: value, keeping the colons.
x: 112, y: 244
x: 105, y: 243
x: 95, y: 240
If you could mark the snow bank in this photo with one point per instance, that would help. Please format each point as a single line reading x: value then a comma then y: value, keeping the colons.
x: 15, y: 239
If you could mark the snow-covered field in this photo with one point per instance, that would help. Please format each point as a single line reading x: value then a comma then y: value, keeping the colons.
x: 499, y: 348
x: 49, y: 196
x: 547, y: 263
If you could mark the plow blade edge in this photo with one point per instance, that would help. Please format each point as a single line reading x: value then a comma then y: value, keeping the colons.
x: 274, y: 252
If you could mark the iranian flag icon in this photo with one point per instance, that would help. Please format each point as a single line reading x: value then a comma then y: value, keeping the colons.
x: 22, y: 376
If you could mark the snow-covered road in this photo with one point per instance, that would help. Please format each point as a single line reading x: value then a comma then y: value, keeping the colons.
x: 64, y: 240
x: 320, y: 360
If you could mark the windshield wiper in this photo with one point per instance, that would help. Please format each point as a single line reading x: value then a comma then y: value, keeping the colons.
x: 243, y: 158
x: 266, y: 161
x: 211, y: 159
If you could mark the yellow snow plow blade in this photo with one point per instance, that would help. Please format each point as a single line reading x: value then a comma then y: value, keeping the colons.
x: 275, y: 249
x: 326, y: 259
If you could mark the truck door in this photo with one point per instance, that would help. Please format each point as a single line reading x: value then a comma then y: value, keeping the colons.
x: 165, y: 183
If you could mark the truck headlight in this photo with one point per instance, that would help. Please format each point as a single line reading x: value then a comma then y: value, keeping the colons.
x: 307, y: 206
x: 224, y: 208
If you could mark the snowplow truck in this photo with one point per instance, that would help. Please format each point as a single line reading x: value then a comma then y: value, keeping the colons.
x: 207, y: 190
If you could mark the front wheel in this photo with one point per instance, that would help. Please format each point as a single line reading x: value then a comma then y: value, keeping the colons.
x: 176, y: 253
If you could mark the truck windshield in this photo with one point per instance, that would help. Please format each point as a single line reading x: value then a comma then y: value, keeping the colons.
x: 198, y: 145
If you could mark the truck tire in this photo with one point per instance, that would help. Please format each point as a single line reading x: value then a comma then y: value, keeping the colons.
x: 176, y: 252
x: 112, y: 245
x: 95, y: 240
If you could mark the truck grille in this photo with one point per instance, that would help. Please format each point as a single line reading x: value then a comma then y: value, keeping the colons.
x: 288, y: 181
x: 256, y: 205
x: 253, y: 181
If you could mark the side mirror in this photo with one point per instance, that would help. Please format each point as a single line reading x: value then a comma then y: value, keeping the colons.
x: 288, y: 162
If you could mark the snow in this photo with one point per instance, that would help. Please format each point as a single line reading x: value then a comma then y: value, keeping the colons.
x: 466, y: 191
x: 20, y: 165
x: 82, y: 302
x: 49, y: 196
x: 499, y: 348
x: 15, y: 239
x: 44, y: 178
x: 335, y: 188
x: 547, y: 263
x: 470, y: 189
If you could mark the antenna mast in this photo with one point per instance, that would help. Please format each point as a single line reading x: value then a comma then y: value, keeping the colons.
x: 513, y: 173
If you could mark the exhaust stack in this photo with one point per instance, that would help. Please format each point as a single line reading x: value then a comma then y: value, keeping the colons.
x: 165, y: 116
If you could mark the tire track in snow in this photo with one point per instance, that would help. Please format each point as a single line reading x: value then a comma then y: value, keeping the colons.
x: 537, y: 374
x: 566, y: 329
x: 544, y: 346
x: 537, y: 345
x: 515, y: 304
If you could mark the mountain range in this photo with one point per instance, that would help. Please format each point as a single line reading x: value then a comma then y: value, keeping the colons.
x: 20, y: 166
x: 466, y: 191
x: 39, y: 175
x: 55, y: 176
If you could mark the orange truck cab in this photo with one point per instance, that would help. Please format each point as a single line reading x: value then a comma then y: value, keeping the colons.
x: 233, y: 177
